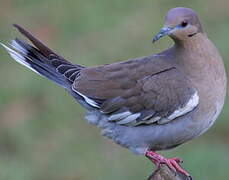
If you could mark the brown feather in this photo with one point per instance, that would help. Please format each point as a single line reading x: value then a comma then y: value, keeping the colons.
x: 43, y: 48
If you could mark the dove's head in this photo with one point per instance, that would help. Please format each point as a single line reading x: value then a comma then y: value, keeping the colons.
x: 180, y: 24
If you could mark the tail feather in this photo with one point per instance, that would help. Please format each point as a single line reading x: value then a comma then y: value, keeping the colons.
x: 18, y: 57
x: 58, y: 70
x: 47, y: 63
x: 39, y: 45
x: 28, y: 57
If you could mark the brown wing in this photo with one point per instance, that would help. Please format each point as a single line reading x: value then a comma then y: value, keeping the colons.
x: 144, y: 90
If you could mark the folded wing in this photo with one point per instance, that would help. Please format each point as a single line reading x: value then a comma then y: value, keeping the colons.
x: 140, y: 91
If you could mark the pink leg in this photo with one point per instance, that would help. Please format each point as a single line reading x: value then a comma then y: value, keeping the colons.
x: 172, y: 163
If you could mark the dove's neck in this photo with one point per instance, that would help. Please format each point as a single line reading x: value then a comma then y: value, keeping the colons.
x: 197, y: 55
x: 193, y: 42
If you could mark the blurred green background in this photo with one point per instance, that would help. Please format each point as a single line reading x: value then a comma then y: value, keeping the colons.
x: 43, y: 134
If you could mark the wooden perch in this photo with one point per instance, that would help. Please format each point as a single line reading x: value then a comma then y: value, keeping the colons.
x: 164, y: 173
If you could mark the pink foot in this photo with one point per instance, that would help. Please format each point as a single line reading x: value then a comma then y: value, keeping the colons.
x: 172, y: 163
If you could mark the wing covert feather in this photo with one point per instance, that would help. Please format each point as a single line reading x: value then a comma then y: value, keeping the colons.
x: 148, y: 88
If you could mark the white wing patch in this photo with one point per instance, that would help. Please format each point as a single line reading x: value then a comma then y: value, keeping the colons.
x: 124, y: 118
x: 192, y: 103
x: 152, y: 120
x: 88, y: 100
x: 118, y: 116
x: 129, y: 119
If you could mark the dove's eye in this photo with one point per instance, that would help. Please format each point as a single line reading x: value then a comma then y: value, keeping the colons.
x: 184, y: 24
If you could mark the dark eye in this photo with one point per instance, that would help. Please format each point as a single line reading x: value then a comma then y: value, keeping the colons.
x: 184, y: 23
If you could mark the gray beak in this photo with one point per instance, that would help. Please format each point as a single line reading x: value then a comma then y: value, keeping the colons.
x: 163, y: 32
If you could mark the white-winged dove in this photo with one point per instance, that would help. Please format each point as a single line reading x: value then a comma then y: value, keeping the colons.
x: 149, y: 103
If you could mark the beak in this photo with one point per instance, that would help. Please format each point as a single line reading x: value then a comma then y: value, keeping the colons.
x: 163, y: 32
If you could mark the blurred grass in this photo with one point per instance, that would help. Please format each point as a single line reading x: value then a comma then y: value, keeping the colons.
x: 42, y: 132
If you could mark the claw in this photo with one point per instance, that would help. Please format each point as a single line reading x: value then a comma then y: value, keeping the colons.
x: 172, y: 163
x: 178, y: 160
